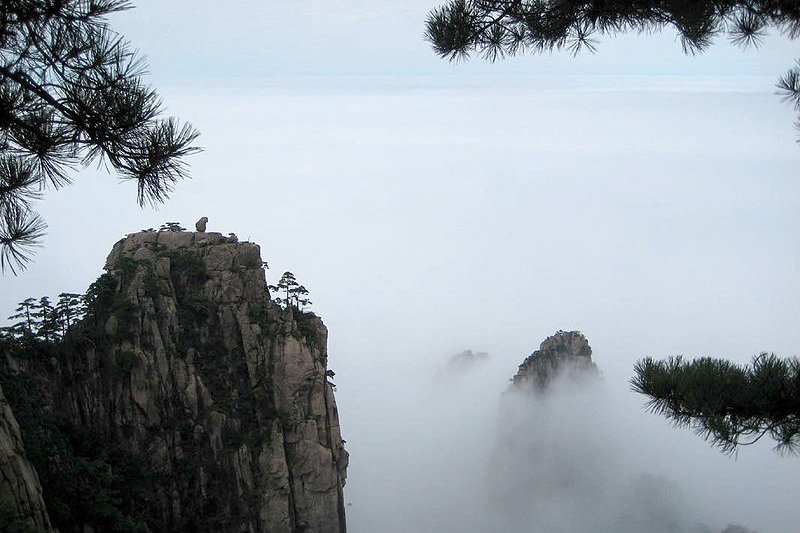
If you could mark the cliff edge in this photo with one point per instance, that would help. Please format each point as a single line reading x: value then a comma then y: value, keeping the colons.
x: 205, y: 402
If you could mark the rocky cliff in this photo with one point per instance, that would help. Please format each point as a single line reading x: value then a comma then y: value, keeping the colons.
x: 566, y: 354
x: 206, y: 404
x: 20, y: 491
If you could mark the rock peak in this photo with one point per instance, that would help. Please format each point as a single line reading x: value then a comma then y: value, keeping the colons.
x: 564, y: 353
x: 190, y: 372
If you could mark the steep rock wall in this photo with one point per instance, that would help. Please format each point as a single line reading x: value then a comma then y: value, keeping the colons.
x: 185, y: 368
x: 20, y: 490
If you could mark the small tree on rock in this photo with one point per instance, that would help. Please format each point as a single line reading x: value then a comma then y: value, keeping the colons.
x: 293, y: 294
x: 287, y: 284
x: 69, y: 309
x: 300, y: 295
x: 45, y: 319
x: 171, y: 226
x: 25, y: 311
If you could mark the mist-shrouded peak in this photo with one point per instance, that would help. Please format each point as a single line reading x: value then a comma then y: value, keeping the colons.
x: 564, y: 462
x: 460, y: 363
x: 566, y: 354
x: 736, y: 529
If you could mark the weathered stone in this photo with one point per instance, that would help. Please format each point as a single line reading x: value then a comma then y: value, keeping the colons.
x: 20, y: 491
x: 112, y: 325
x: 217, y: 388
x: 144, y: 254
x: 204, y: 239
x: 566, y: 354
x: 171, y: 240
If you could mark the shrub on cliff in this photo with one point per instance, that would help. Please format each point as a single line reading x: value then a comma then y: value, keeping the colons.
x: 294, y: 294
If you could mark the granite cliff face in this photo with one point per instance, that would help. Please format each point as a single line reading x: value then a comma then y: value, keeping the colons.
x: 20, y: 490
x: 185, y: 368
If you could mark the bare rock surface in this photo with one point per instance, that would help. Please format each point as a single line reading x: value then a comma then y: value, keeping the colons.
x: 222, y: 374
x: 566, y: 354
x: 219, y: 395
x: 20, y: 490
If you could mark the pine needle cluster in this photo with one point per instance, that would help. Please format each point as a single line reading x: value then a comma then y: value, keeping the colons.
x: 495, y: 29
x: 729, y: 404
x: 71, y: 93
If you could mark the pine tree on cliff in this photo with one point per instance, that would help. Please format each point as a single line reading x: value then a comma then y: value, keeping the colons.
x: 69, y: 308
x: 499, y: 28
x: 71, y: 92
x: 286, y: 285
x: 300, y: 296
x: 294, y: 294
x: 729, y: 404
x: 45, y: 320
x: 25, y: 311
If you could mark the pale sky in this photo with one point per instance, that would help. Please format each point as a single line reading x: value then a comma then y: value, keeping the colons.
x: 647, y: 198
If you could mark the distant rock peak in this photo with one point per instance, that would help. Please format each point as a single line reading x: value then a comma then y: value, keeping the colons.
x: 460, y: 364
x: 566, y: 353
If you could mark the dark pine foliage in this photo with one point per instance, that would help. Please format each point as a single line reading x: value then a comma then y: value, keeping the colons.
x: 11, y: 523
x: 294, y: 294
x: 729, y: 404
x: 499, y: 28
x: 71, y: 92
x: 42, y: 321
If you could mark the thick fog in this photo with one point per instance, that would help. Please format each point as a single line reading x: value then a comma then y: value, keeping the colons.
x: 449, y: 455
x: 646, y: 198
x: 658, y: 220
